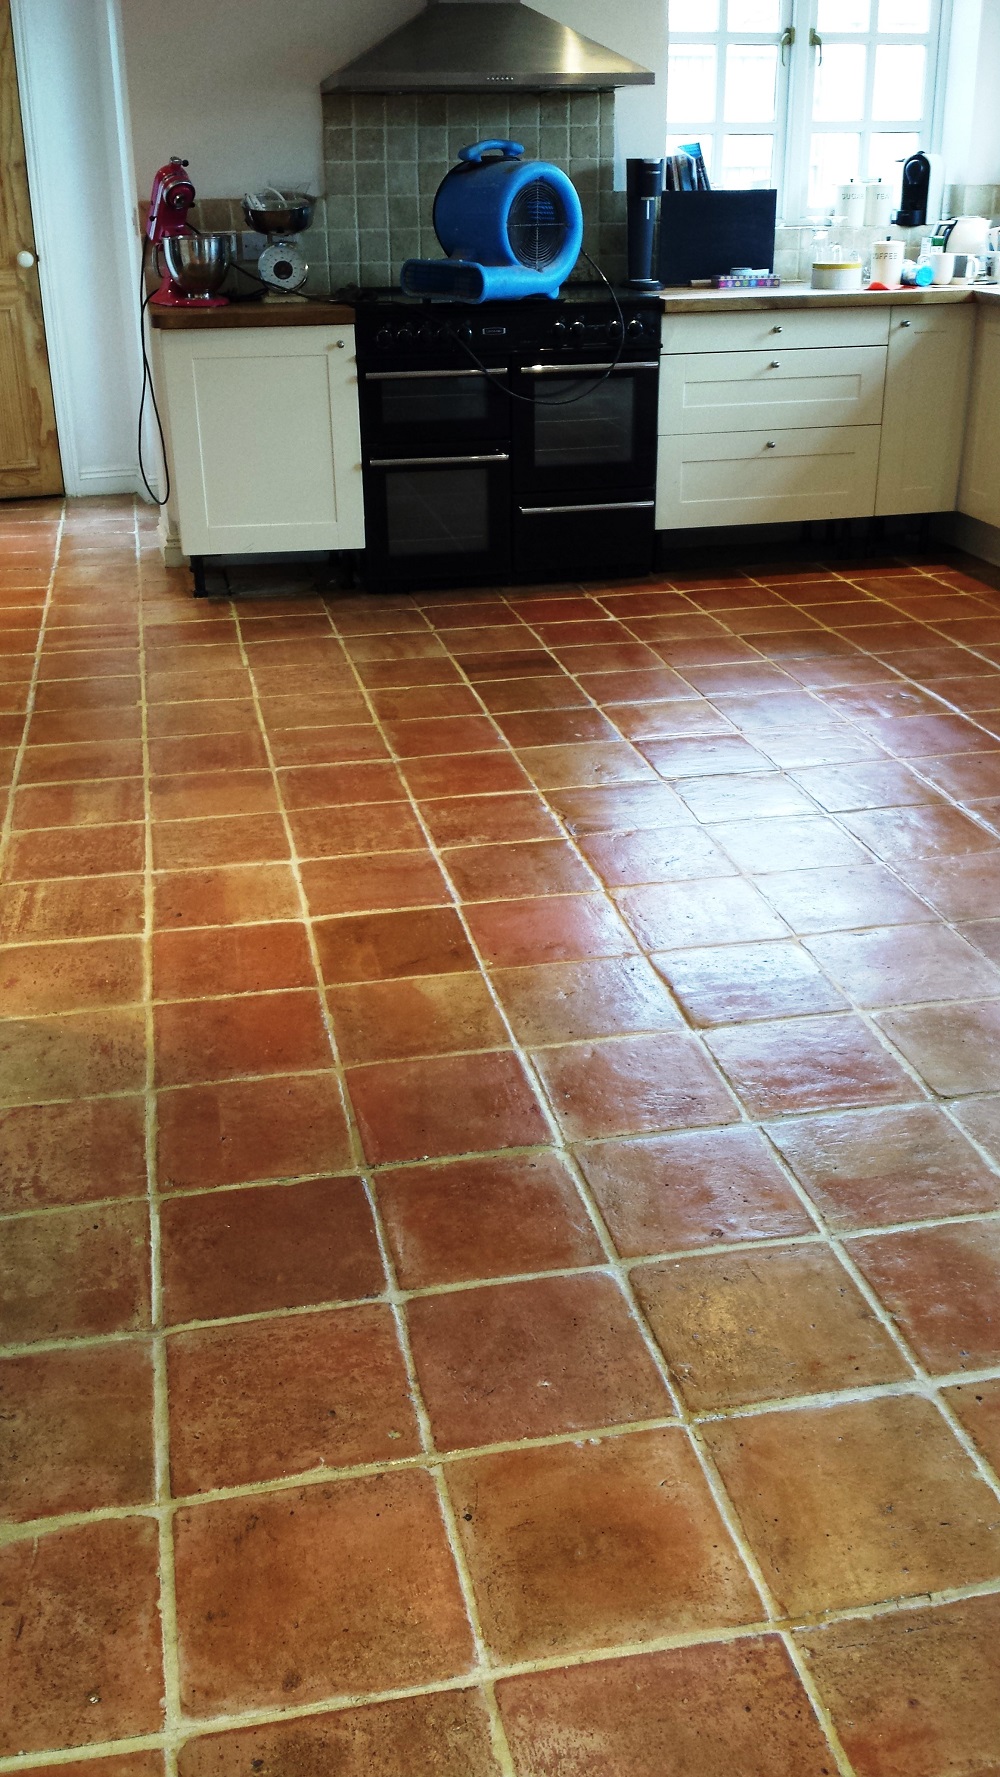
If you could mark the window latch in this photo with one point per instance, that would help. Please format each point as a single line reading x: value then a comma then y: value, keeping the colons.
x: 787, y: 42
x: 816, y: 42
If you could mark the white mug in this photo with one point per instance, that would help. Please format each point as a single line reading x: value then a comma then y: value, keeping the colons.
x: 943, y: 265
x: 887, y: 262
x: 967, y: 268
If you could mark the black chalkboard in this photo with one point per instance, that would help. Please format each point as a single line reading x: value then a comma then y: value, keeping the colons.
x: 703, y: 234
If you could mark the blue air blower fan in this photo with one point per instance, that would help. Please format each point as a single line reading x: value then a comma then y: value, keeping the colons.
x: 510, y: 227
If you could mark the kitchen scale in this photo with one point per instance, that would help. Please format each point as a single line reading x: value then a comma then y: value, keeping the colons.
x: 282, y: 216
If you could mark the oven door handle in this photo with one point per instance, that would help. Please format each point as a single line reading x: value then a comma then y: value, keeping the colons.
x: 584, y: 369
x: 409, y: 376
x: 496, y: 456
x: 594, y: 506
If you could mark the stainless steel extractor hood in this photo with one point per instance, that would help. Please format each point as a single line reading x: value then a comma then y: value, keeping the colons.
x: 485, y: 46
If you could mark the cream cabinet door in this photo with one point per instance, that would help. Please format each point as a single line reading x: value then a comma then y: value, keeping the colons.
x: 923, y: 419
x: 264, y: 438
x: 766, y: 477
x: 979, y: 490
x: 748, y: 391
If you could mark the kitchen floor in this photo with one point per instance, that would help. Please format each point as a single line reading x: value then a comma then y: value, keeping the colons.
x: 500, y: 1166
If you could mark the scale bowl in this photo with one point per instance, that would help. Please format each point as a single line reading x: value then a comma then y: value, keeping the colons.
x: 198, y: 263
x: 284, y: 213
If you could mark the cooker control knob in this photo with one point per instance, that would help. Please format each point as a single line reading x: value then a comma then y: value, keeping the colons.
x: 466, y: 334
x: 405, y: 336
x: 560, y: 333
x: 430, y: 332
x: 383, y: 339
x: 635, y: 329
x: 614, y: 330
x: 578, y: 331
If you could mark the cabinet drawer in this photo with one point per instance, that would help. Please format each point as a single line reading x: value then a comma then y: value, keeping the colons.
x: 767, y: 477
x: 747, y: 391
x: 769, y: 327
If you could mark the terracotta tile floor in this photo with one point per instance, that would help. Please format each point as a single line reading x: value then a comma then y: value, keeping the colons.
x: 500, y: 1172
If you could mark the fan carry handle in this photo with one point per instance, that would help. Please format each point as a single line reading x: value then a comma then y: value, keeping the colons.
x: 508, y: 150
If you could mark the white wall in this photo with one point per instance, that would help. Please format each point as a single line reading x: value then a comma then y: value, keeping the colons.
x: 234, y: 86
x: 81, y: 202
x: 983, y: 165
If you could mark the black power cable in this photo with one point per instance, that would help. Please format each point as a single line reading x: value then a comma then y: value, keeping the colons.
x: 147, y: 384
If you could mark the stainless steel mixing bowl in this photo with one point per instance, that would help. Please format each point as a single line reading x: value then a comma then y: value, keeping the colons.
x: 197, y: 263
x: 278, y: 212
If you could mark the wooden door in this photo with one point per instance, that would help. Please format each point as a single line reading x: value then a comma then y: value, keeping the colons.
x: 29, y: 448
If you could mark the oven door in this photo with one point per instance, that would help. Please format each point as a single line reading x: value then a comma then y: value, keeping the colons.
x: 433, y: 520
x: 584, y: 426
x: 416, y: 412
x: 592, y: 537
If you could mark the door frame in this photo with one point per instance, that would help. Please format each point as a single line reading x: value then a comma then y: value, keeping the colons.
x: 62, y: 295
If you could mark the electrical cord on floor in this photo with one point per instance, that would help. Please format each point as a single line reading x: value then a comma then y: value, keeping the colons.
x: 536, y: 400
x: 147, y: 385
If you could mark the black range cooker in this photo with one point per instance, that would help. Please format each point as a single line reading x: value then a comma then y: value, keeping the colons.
x: 507, y: 440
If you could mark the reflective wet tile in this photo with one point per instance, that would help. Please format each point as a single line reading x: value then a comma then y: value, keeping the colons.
x: 956, y: 1049
x: 450, y: 1104
x: 734, y: 982
x: 901, y: 965
x: 716, y: 910
x: 239, y: 1130
x: 809, y: 1064
x: 942, y: 1288
x: 603, y: 997
x: 632, y: 1086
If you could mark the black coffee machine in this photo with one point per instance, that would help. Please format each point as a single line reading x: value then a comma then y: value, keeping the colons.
x: 644, y: 183
x: 915, y: 196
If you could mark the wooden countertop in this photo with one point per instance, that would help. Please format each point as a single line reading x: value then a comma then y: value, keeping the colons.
x: 253, y: 314
x: 684, y: 301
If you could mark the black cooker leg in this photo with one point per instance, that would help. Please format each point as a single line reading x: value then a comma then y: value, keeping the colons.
x: 197, y: 563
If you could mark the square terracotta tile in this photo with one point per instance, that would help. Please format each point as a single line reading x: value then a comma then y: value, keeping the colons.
x: 604, y: 997
x: 721, y: 910
x: 377, y: 882
x: 942, y: 1288
x: 977, y: 1406
x: 702, y: 758
x: 840, y: 900
x: 897, y: 835
x: 519, y: 1360
x: 229, y: 839
x: 266, y: 1033
x: 674, y: 854
x: 197, y: 794
x: 441, y: 734
x: 464, y: 774
x: 225, y: 897
x: 779, y: 844
x: 675, y: 1192
x: 913, y: 1693
x: 729, y: 983
x: 626, y: 808
x: 433, y: 1015
x: 709, y: 1710
x: 484, y: 1218
x: 867, y: 1168
x: 956, y: 1049
x: 958, y: 888
x: 134, y: 1764
x: 980, y: 1117
x: 671, y: 719
x: 555, y: 727
x: 207, y: 752
x: 74, y: 1055
x: 788, y: 1321
x: 902, y: 965
x: 78, y: 1430
x: 268, y: 1399
x: 256, y: 1579
x: 549, y: 929
x: 75, y: 851
x: 80, y: 1272
x: 428, y: 700
x: 240, y: 1130
x: 447, y: 1732
x: 866, y: 1472
x: 331, y: 786
x: 361, y: 828
x: 80, y: 1637
x: 382, y: 946
x: 553, y: 691
x: 244, y: 959
x: 594, y: 763
x: 632, y: 1086
x: 744, y: 797
x: 450, y: 1104
x: 595, y: 1544
x: 799, y: 1064
x: 80, y: 761
x: 106, y: 802
x: 535, y: 867
x: 72, y: 1153
x: 276, y: 1246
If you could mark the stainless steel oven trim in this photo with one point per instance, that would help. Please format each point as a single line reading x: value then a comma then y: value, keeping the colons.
x: 420, y: 462
x: 409, y: 376
x: 593, y: 506
x: 584, y: 369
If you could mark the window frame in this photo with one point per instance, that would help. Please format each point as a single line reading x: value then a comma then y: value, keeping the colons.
x: 794, y: 127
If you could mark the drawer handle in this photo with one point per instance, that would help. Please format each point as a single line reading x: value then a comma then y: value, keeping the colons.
x: 770, y: 445
x: 777, y: 329
x: 906, y: 323
x: 774, y: 365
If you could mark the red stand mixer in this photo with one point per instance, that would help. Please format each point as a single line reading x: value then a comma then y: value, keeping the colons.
x: 195, y: 264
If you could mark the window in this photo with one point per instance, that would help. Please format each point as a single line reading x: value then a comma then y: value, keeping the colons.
x: 802, y: 94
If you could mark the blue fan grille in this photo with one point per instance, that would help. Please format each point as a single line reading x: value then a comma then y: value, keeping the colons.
x: 537, y: 224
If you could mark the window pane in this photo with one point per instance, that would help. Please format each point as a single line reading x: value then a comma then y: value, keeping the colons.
x: 833, y: 159
x: 885, y: 153
x: 754, y: 15
x: 844, y: 15
x: 691, y: 81
x: 750, y: 71
x: 746, y: 163
x: 899, y: 80
x: 694, y: 15
x: 840, y: 84
x: 904, y: 15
